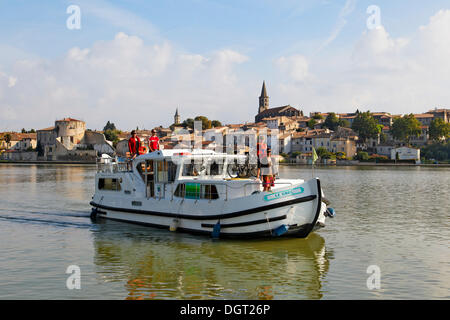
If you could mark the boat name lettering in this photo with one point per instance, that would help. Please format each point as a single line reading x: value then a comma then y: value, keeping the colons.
x: 284, y: 193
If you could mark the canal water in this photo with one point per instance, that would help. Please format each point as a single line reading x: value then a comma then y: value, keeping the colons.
x: 392, y: 220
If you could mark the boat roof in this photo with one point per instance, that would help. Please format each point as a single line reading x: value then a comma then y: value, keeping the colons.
x: 188, y: 153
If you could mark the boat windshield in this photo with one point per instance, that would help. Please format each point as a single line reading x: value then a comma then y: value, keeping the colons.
x: 205, y: 167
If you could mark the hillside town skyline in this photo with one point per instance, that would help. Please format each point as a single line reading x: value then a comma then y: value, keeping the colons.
x: 296, y: 134
x: 264, y: 105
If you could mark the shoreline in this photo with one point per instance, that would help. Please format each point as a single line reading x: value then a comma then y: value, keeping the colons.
x: 360, y: 164
x: 47, y: 162
x: 370, y: 164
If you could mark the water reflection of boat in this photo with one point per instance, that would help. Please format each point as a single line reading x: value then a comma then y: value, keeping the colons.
x: 166, y: 266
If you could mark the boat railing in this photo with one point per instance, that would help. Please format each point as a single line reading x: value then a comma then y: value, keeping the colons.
x: 113, y: 165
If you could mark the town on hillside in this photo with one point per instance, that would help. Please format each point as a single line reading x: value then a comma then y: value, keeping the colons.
x: 362, y: 136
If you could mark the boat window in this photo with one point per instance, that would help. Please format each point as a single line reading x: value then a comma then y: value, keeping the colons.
x: 215, y: 168
x: 209, y: 191
x: 180, y: 190
x: 109, y: 184
x: 192, y: 190
x: 141, y: 169
x: 196, y: 191
x: 166, y: 171
x: 191, y: 169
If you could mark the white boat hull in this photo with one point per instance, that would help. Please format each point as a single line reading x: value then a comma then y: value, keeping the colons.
x: 294, y: 211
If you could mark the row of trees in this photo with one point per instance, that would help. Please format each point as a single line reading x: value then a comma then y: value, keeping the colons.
x: 437, y: 151
x: 112, y: 133
x: 28, y: 131
x: 331, y: 122
x: 206, y: 123
x: 403, y: 129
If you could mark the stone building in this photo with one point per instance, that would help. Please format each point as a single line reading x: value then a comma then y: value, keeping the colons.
x: 444, y: 114
x: 341, y: 140
x: 265, y: 112
x: 69, y: 140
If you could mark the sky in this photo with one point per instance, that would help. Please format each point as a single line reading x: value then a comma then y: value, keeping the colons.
x: 134, y: 62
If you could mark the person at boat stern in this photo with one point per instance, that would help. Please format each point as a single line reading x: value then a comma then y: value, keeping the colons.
x: 266, y: 169
x: 153, y: 141
x: 133, y: 144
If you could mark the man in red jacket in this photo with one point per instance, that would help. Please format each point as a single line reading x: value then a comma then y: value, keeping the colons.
x: 133, y: 144
x: 153, y: 142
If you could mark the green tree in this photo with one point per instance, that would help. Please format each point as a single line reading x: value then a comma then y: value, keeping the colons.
x: 405, y: 128
x: 188, y: 123
x: 32, y: 131
x: 311, y: 123
x: 7, y: 138
x: 317, y: 117
x: 206, y: 123
x: 344, y: 123
x: 109, y: 126
x: 439, y: 130
x: 366, y: 126
x: 112, y: 135
x: 23, y: 130
x: 332, y: 121
x: 216, y: 123
x: 362, y: 155
x: 323, y: 153
x: 437, y: 151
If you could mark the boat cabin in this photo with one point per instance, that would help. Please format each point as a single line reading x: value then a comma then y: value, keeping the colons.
x: 180, y: 174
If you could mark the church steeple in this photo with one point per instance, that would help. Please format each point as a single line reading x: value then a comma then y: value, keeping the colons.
x: 263, y: 99
x: 176, y: 118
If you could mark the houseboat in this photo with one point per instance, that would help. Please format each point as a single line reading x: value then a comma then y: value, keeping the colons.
x: 201, y: 192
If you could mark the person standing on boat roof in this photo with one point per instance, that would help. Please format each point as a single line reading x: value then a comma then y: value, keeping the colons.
x: 266, y: 169
x: 261, y: 149
x: 153, y: 142
x: 133, y: 144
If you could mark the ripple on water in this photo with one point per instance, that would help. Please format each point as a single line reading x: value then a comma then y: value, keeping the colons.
x: 396, y: 218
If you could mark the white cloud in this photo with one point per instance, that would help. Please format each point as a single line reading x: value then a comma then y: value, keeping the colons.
x: 12, y: 82
x: 397, y: 75
x: 119, y: 17
x: 125, y: 80
x: 296, y: 66
x: 346, y: 10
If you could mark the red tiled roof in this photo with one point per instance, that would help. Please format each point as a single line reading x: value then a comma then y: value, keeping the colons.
x: 68, y: 119
x: 47, y: 129
x: 424, y: 115
x: 20, y: 136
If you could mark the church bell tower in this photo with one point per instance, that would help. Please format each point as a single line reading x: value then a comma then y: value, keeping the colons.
x: 263, y: 99
x: 176, y: 118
